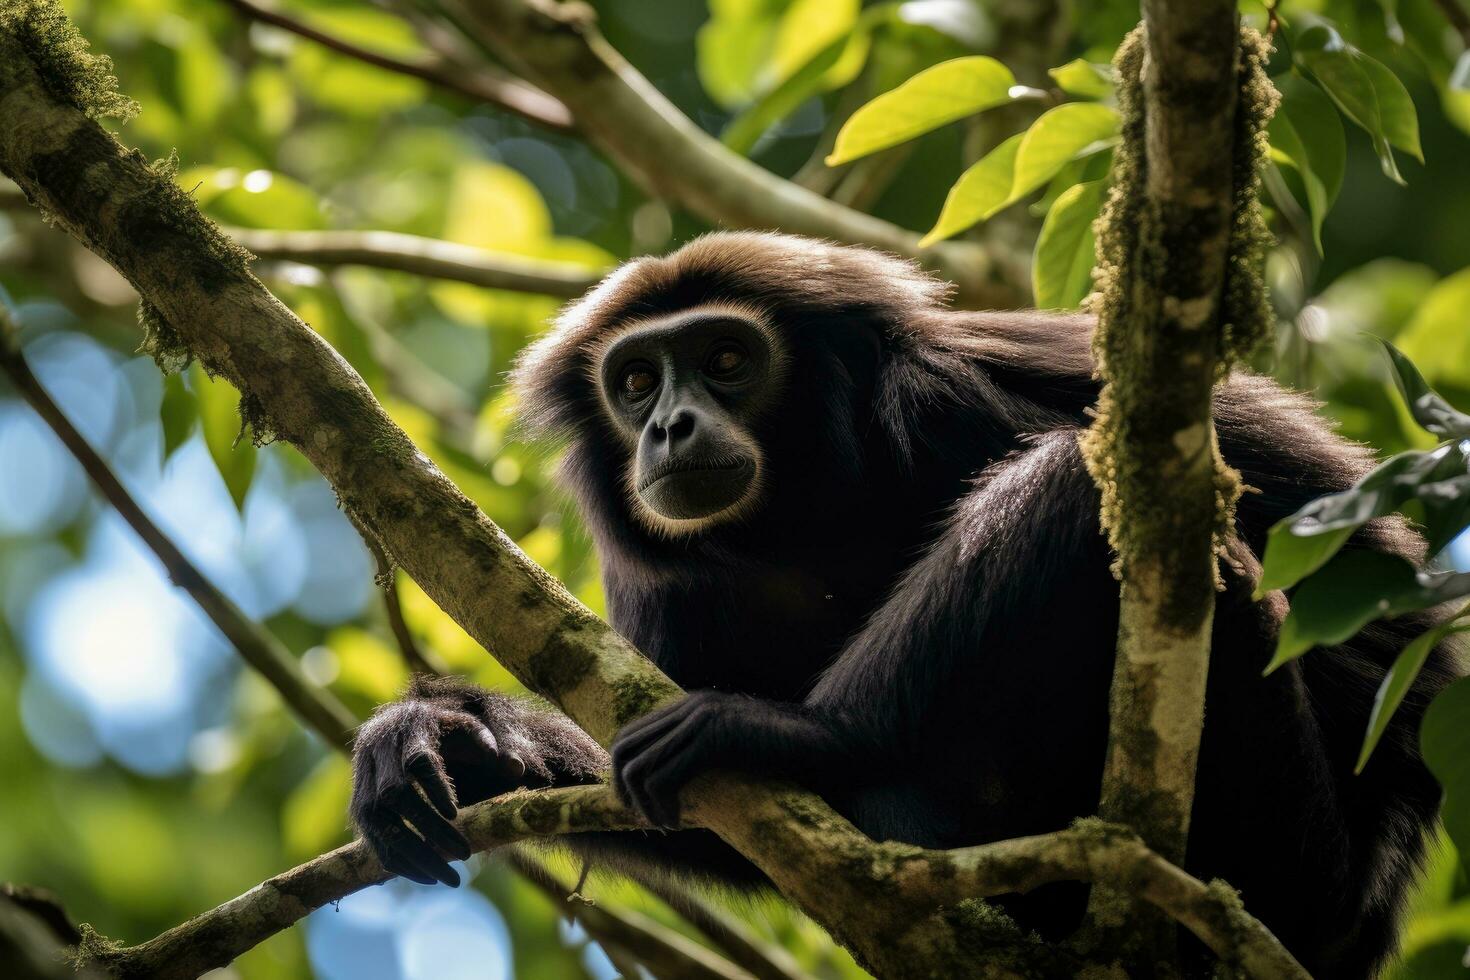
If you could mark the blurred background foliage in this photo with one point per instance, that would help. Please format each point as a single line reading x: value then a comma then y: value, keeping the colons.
x: 147, y: 776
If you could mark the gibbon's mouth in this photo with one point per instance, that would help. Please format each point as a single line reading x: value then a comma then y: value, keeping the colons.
x: 679, y: 466
x: 691, y: 488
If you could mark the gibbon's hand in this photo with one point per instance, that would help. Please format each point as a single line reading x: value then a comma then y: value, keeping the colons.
x: 407, y: 762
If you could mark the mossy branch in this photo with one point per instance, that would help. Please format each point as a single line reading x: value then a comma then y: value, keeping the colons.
x: 1180, y: 246
x: 203, y: 302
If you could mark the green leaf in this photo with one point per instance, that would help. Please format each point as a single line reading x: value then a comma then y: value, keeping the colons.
x: 731, y: 47
x: 1307, y: 132
x: 1061, y: 272
x: 1287, y: 148
x: 1395, y: 107
x: 219, y: 411
x: 1060, y: 135
x: 1366, y: 92
x: 1083, y: 79
x: 829, y: 65
x: 1300, y: 544
x: 805, y: 30
x: 1428, y: 406
x: 981, y: 191
x: 1396, y: 684
x: 935, y: 97
x: 1291, y: 557
x: 1023, y: 163
x: 748, y: 127
x: 178, y: 413
x: 1353, y: 590
x: 1314, y: 117
x: 1444, y: 736
x: 1436, y: 337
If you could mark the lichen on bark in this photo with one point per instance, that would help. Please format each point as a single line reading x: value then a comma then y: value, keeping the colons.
x: 64, y: 59
x: 1135, y: 290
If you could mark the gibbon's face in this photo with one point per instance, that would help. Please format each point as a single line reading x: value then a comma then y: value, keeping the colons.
x: 685, y: 390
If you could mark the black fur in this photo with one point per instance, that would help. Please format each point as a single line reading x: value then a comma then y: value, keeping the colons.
x: 919, y: 622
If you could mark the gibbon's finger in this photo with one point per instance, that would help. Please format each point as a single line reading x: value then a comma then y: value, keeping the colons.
x: 394, y: 844
x: 430, y: 824
x: 473, y: 741
x: 427, y: 864
x: 428, y: 771
x: 655, y: 777
x: 419, y: 857
x: 636, y: 737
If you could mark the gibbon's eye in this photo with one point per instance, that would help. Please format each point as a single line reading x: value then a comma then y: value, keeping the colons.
x: 638, y: 381
x: 725, y: 362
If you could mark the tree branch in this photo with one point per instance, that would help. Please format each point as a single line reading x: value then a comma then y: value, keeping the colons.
x: 215, y: 938
x: 665, y: 953
x: 315, y: 705
x: 420, y: 256
x: 558, y: 46
x: 512, y: 95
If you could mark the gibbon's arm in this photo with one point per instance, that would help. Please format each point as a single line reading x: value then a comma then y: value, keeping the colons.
x: 459, y: 744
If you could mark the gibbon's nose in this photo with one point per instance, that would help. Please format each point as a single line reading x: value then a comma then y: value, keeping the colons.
x: 676, y: 428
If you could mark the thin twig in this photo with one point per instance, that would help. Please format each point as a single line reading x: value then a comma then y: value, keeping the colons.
x: 515, y: 96
x: 666, y: 953
x: 417, y: 659
x: 315, y: 705
x: 420, y: 256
